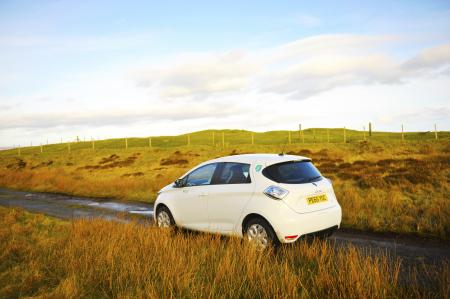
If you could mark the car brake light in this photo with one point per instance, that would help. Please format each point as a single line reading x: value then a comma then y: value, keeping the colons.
x: 276, y: 192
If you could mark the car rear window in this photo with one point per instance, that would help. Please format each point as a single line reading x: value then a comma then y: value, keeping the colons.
x: 295, y: 172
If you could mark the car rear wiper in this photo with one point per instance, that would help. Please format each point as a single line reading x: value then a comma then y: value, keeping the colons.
x: 314, y: 178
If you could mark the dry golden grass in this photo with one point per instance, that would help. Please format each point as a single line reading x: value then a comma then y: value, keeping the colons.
x: 381, y: 186
x: 99, y: 259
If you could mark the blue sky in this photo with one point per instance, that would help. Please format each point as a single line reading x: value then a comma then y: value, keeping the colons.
x: 138, y: 68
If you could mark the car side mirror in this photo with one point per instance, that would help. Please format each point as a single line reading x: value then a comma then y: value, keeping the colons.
x: 178, y: 183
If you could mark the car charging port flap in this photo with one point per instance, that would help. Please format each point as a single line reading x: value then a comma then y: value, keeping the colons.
x: 276, y: 192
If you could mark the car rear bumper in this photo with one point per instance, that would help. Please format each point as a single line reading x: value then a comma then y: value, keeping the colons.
x: 294, y: 225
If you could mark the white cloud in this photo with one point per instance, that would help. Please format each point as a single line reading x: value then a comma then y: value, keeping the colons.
x: 324, y: 73
x: 199, y: 75
x: 429, y: 59
x: 298, y: 69
x: 115, y: 116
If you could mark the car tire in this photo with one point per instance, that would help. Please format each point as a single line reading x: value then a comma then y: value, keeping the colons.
x: 164, y: 218
x: 260, y: 233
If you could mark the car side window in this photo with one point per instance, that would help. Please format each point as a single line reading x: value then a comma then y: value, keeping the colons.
x: 201, y: 176
x: 234, y: 173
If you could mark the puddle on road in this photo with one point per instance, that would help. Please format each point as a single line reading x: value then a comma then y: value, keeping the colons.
x: 142, y: 212
x: 121, y: 207
x: 132, y: 208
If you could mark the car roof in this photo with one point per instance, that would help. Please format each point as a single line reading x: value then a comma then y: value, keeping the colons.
x: 267, y: 159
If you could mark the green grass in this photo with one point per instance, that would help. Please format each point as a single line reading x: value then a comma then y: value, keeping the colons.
x: 236, y: 138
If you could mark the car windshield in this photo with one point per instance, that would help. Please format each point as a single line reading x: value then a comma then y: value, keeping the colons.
x: 294, y: 172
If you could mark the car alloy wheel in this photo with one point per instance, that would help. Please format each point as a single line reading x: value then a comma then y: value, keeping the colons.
x: 163, y: 219
x: 257, y: 235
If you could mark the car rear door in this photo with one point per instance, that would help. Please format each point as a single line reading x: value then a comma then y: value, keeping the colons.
x: 228, y: 196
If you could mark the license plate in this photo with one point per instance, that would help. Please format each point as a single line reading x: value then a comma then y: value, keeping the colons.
x: 316, y: 199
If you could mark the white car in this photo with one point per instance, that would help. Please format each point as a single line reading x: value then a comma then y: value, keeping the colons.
x: 269, y: 198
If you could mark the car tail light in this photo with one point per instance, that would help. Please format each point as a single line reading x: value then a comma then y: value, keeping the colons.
x: 276, y: 192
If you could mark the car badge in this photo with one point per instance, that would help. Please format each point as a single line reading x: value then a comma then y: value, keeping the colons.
x: 258, y: 167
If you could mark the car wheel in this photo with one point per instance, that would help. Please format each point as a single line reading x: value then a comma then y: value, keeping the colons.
x: 260, y: 233
x: 164, y: 218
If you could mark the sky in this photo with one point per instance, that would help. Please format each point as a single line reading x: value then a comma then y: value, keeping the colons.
x: 105, y: 69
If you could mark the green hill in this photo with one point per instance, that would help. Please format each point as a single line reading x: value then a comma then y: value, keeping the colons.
x: 227, y: 138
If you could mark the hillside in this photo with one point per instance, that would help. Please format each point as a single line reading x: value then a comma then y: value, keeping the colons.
x: 382, y: 185
x: 229, y: 138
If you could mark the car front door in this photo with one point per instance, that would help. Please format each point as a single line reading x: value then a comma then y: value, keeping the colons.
x: 228, y: 196
x: 191, y: 205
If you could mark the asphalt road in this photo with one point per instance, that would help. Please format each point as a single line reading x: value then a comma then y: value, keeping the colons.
x: 412, y: 250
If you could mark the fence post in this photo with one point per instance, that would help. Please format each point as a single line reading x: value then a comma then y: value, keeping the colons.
x: 314, y: 135
x: 328, y: 135
x: 370, y: 129
x: 223, y: 139
x: 253, y: 138
x: 290, y: 141
x: 126, y: 143
x: 93, y: 145
x: 435, y: 132
x: 403, y: 135
x: 19, y: 150
x: 150, y: 142
x: 68, y: 146
x: 299, y: 132
x: 41, y: 148
x: 214, y: 138
x: 188, y: 139
x: 345, y: 136
x: 364, y: 133
x: 303, y: 136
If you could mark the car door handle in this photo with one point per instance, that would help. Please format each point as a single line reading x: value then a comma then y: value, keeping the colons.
x: 203, y: 194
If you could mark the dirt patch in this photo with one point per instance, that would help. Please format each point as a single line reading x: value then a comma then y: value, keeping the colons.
x: 135, y: 174
x: 302, y: 152
x: 236, y: 152
x: 177, y: 158
x: 367, y: 147
x: 109, y: 159
x: 18, y: 164
x: 43, y: 164
x: 111, y: 162
x: 173, y: 161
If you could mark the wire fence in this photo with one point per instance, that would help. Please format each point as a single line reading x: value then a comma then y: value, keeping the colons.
x: 229, y: 138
